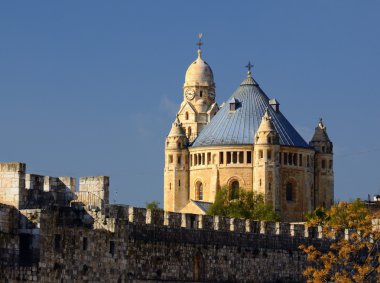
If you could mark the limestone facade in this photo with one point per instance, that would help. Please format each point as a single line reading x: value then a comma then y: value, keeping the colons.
x: 294, y: 177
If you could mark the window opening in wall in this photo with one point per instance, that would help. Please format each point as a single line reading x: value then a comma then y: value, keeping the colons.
x: 85, y: 243
x: 285, y: 158
x: 323, y: 164
x: 330, y: 164
x: 261, y: 154
x: 214, y: 159
x: 308, y: 161
x: 235, y: 189
x: 179, y: 183
x: 280, y: 157
x: 241, y: 157
x: 112, y: 248
x: 269, y: 153
x: 289, y: 191
x: 195, y: 159
x: 179, y: 160
x: 290, y: 161
x: 260, y: 182
x: 208, y: 158
x: 203, y: 158
x: 221, y: 161
x: 228, y: 157
x: 295, y: 159
x: 170, y: 158
x: 199, y: 191
x: 301, y: 159
x: 187, y: 116
x: 200, y: 94
x: 234, y: 157
x: 249, y: 157
x: 170, y: 186
x: 57, y: 242
x: 199, y: 158
x: 269, y: 187
x: 186, y: 160
x: 269, y: 140
x: 179, y: 145
x: 323, y: 149
x: 189, y: 132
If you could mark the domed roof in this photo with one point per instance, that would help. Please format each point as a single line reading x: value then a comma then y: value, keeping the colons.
x: 199, y: 73
x: 237, y: 124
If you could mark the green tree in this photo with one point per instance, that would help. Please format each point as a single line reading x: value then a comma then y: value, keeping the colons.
x: 153, y: 205
x: 241, y: 204
x: 347, y: 260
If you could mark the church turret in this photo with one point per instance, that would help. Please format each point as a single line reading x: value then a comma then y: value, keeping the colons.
x: 198, y: 106
x: 266, y: 169
x: 323, y: 166
x: 176, y: 175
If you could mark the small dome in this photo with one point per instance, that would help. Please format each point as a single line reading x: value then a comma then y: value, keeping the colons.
x: 199, y: 73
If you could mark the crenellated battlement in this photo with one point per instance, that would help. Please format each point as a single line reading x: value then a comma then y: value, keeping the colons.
x: 142, y: 216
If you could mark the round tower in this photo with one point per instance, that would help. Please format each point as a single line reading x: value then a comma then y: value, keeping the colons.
x: 323, y: 167
x: 198, y: 106
x: 266, y: 169
x: 176, y: 173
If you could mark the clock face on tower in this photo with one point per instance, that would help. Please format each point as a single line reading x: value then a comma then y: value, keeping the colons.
x: 189, y: 94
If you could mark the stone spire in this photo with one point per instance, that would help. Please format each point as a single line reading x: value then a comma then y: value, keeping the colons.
x: 321, y: 139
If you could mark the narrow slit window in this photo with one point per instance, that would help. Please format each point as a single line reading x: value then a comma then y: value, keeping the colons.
x: 234, y: 157
x: 112, y: 248
x: 85, y: 243
x: 269, y: 154
x: 241, y: 157
x: 221, y: 161
x: 228, y: 157
x: 249, y: 157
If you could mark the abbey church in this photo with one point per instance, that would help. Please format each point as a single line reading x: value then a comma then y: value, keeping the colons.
x: 246, y: 143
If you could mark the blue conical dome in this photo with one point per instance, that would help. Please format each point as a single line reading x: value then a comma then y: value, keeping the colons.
x: 238, y: 120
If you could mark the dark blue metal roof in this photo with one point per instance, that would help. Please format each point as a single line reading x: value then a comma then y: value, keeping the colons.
x: 238, y: 127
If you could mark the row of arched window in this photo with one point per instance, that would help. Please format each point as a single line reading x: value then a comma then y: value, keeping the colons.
x: 289, y: 191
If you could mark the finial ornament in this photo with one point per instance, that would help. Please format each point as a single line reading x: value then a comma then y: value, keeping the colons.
x: 200, y: 43
x: 249, y: 67
x: 320, y: 124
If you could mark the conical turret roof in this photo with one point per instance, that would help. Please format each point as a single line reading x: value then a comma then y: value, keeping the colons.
x: 238, y: 127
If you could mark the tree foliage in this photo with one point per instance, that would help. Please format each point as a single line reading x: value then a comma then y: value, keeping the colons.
x: 239, y: 203
x: 355, y: 259
x: 153, y: 205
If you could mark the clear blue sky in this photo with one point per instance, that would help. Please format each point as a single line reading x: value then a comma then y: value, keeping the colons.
x: 92, y: 87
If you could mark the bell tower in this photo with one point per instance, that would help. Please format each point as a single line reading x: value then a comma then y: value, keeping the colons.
x: 323, y: 167
x: 266, y: 169
x: 198, y: 106
x: 176, y: 173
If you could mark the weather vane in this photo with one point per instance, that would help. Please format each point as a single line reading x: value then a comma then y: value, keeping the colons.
x: 249, y: 67
x: 200, y: 43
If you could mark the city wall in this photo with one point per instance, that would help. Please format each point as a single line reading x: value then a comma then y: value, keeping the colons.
x: 138, y: 244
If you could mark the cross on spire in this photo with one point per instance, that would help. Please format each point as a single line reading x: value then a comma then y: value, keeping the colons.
x: 200, y: 43
x: 249, y: 67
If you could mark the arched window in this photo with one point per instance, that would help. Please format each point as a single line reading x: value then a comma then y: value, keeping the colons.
x: 189, y: 132
x: 235, y: 189
x: 289, y: 191
x: 187, y: 116
x: 199, y: 191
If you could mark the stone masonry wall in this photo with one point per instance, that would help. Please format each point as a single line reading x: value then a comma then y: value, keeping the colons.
x: 160, y: 246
